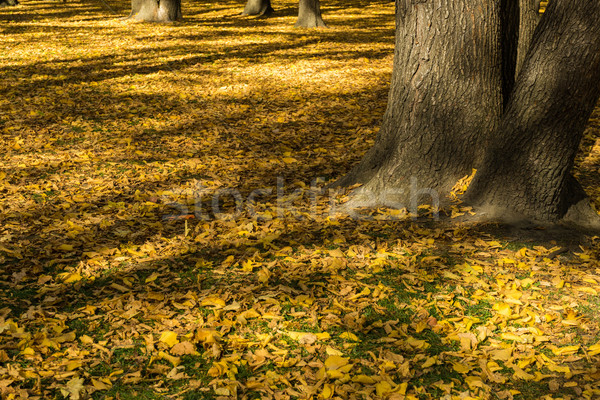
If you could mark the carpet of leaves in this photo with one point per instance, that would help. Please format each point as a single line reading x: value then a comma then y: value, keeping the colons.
x: 122, y: 277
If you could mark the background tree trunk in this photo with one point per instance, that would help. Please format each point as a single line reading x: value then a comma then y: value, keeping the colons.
x: 445, y: 99
x: 6, y: 3
x: 526, y: 172
x: 258, y: 7
x: 156, y: 10
x: 309, y: 15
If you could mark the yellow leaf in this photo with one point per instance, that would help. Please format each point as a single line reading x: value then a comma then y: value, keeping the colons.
x: 303, y: 337
x: 169, y: 338
x: 218, y: 369
x: 289, y: 160
x: 184, y: 348
x: 86, y: 339
x: 588, y: 290
x: 100, y: 385
x: 152, y: 277
x: 520, y: 374
x: 71, y: 365
x: 213, y: 301
x: 429, y: 362
x: 349, y: 336
x: 383, y: 388
x: 70, y: 278
x: 558, y: 283
x: 333, y: 352
x: 335, y: 362
x: 364, y: 379
x: 594, y: 349
x: 65, y: 247
x: 501, y: 355
x: 328, y: 390
x: 173, y: 360
x: 474, y: 382
x: 558, y: 368
x: 511, y: 336
x: 417, y: 343
x: 562, y: 351
x: 208, y: 336
x: 247, y: 266
x: 28, y: 351
x: 323, y: 336
x: 263, y: 275
x: 461, y: 368
x: 503, y: 309
x: 402, y: 388
x: 73, y: 388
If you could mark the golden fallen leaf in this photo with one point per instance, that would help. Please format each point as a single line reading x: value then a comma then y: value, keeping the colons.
x: 335, y: 362
x: 184, y: 348
x: 169, y: 338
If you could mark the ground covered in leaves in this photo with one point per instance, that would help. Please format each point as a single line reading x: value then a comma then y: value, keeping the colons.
x: 144, y: 253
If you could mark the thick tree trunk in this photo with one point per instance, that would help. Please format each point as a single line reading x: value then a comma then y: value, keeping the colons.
x: 258, y: 7
x: 526, y: 173
x: 156, y: 10
x: 445, y: 98
x: 309, y: 15
x: 6, y: 3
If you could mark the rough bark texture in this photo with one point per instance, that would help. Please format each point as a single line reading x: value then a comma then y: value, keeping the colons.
x: 526, y: 172
x: 445, y: 97
x: 156, y: 10
x: 519, y: 20
x: 529, y: 17
x: 6, y: 3
x: 258, y: 7
x: 309, y: 15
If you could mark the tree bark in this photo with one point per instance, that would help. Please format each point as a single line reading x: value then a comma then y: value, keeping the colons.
x: 527, y: 169
x: 519, y: 19
x: 309, y: 15
x: 445, y: 98
x: 6, y: 3
x: 156, y: 10
x: 258, y: 7
x: 529, y: 17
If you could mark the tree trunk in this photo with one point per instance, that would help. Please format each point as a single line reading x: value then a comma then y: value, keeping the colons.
x: 445, y: 98
x: 519, y: 19
x: 156, y: 10
x: 529, y: 17
x: 258, y: 7
x: 309, y: 15
x: 6, y: 3
x: 527, y: 170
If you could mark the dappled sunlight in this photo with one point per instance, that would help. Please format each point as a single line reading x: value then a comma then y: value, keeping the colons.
x: 130, y: 269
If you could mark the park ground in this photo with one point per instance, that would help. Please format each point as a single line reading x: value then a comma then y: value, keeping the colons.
x: 115, y: 283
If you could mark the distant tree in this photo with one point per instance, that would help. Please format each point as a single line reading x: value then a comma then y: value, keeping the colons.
x: 156, y: 10
x: 258, y: 7
x: 6, y: 3
x: 449, y: 110
x: 309, y: 14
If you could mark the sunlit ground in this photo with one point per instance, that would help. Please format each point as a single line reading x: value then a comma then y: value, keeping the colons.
x: 115, y: 282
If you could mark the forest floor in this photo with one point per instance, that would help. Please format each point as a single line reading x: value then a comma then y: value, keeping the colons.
x: 120, y: 278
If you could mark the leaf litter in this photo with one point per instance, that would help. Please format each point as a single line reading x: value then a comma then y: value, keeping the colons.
x: 116, y: 283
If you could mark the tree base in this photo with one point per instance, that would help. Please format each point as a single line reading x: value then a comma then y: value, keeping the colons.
x: 310, y: 23
x: 258, y: 8
x: 136, y: 18
x: 580, y: 217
